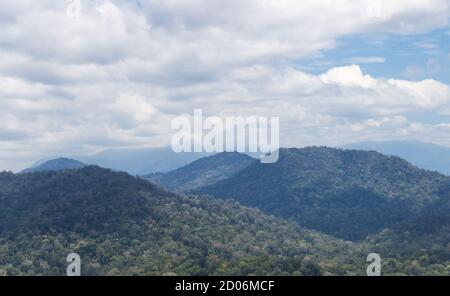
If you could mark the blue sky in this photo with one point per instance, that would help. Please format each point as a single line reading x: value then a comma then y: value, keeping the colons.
x: 413, y: 57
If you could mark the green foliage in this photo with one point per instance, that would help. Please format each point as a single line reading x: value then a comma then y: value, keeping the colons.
x: 121, y: 225
x: 345, y: 193
x: 418, y: 246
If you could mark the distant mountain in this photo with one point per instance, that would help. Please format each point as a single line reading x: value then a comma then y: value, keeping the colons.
x: 203, y: 172
x: 424, y: 155
x: 346, y: 193
x: 58, y: 164
x: 141, y: 161
x: 122, y: 225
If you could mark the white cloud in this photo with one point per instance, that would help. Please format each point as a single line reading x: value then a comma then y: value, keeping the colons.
x: 348, y: 76
x: 118, y: 74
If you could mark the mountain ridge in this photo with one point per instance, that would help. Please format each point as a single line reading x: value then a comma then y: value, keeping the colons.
x: 346, y: 193
x: 125, y: 225
x: 202, y: 172
x: 424, y: 155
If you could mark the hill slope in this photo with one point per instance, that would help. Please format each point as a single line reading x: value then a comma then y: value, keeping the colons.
x: 346, y: 193
x: 123, y: 225
x: 58, y: 164
x: 203, y: 172
x: 419, y: 245
x: 424, y: 155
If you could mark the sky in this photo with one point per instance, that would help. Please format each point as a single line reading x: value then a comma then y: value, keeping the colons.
x: 116, y: 74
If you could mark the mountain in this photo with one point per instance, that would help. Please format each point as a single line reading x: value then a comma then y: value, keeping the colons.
x: 349, y: 194
x: 141, y: 161
x: 123, y: 225
x: 58, y: 164
x: 203, y: 172
x: 424, y: 155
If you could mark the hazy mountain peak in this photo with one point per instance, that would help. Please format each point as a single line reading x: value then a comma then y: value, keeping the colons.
x: 142, y: 161
x: 203, y: 172
x: 57, y: 164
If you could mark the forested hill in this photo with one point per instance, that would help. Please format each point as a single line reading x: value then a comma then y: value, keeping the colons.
x: 203, y: 172
x: 346, y: 193
x: 124, y: 225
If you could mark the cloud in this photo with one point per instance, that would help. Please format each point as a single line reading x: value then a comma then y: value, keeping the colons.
x: 348, y: 76
x: 117, y: 75
x: 366, y: 60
